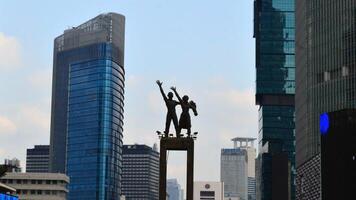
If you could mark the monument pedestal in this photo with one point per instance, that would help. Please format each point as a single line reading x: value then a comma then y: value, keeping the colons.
x: 176, y: 144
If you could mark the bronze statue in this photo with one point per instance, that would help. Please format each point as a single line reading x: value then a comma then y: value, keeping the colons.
x: 184, y: 120
x: 171, y: 110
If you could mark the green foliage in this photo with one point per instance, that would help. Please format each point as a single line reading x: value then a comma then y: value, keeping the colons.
x: 2, y: 170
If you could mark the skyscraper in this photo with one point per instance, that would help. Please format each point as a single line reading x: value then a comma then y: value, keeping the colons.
x: 37, y: 159
x: 140, y: 172
x: 174, y: 189
x: 233, y: 172
x: 325, y: 50
x: 87, y: 107
x: 248, y: 145
x: 274, y: 29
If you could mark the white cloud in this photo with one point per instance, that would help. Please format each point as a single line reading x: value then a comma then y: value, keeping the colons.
x: 36, y: 117
x: 2, y: 153
x: 32, y: 123
x: 133, y: 81
x: 41, y: 79
x: 10, y: 52
x: 7, y: 126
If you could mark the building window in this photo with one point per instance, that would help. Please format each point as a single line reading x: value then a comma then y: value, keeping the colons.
x: 207, y: 193
x: 326, y: 76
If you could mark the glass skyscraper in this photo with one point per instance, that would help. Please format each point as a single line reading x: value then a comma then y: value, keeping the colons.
x: 174, y: 190
x: 326, y: 79
x: 234, y: 172
x: 87, y: 107
x: 274, y: 30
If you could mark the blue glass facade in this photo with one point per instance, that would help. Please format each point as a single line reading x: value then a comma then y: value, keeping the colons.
x: 274, y: 30
x: 7, y: 197
x: 95, y: 121
x: 275, y: 58
x: 87, y: 107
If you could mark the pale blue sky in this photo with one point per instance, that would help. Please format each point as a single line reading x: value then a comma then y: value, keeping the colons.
x: 204, y: 47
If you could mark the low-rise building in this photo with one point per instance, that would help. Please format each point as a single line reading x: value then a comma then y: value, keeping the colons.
x: 208, y: 190
x: 38, y: 186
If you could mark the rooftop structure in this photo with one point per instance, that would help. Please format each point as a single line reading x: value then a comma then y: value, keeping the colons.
x: 38, y: 186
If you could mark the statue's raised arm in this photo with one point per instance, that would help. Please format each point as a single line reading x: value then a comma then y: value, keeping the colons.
x: 159, y: 83
x: 176, y: 93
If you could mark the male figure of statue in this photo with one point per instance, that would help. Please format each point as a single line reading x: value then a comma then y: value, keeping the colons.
x: 171, y: 110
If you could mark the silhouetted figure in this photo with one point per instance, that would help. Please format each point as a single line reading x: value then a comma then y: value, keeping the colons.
x: 171, y: 110
x: 184, y: 120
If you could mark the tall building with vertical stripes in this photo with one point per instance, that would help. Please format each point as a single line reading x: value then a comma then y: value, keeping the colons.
x: 274, y: 31
x: 326, y: 80
x: 88, y: 106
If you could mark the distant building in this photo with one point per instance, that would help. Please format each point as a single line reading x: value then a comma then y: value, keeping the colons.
x: 38, y: 186
x: 248, y: 145
x: 173, y: 189
x: 37, y: 159
x: 233, y: 172
x: 12, y: 165
x: 140, y: 172
x: 208, y: 190
x: 182, y: 194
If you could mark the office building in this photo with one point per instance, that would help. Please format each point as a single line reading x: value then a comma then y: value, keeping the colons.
x: 274, y: 31
x: 325, y: 60
x: 140, y: 172
x: 233, y: 172
x: 208, y: 190
x: 11, y: 165
x: 174, y: 189
x: 38, y: 186
x: 37, y: 159
x: 87, y: 107
x: 248, y: 145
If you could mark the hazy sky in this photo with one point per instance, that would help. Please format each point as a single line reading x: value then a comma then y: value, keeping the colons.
x: 204, y: 47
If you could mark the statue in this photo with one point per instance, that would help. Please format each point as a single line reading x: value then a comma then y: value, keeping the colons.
x: 184, y: 120
x: 171, y: 110
x: 186, y: 105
